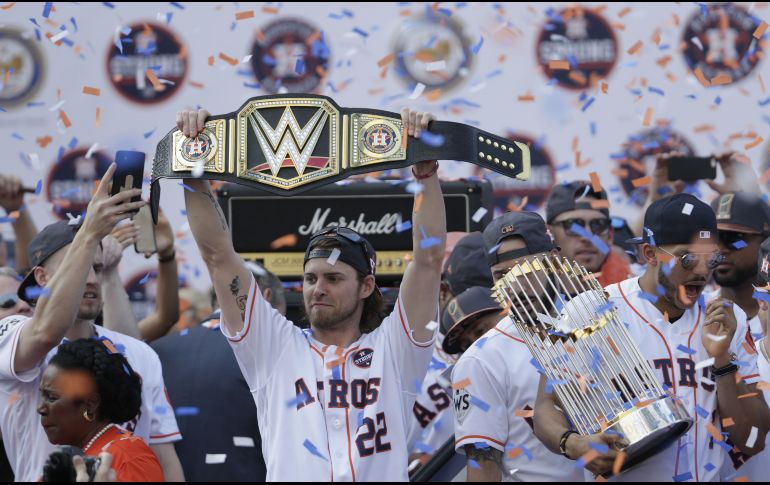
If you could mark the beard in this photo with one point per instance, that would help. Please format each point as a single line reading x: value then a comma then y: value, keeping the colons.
x: 327, y: 318
x: 737, y: 277
x: 89, y: 310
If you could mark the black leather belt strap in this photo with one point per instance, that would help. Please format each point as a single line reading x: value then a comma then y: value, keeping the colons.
x: 237, y: 147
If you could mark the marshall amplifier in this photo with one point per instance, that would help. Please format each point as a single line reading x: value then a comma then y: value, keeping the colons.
x: 275, y: 230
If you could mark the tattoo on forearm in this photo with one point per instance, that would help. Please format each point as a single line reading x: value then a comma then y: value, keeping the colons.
x: 484, y: 454
x: 240, y: 300
x: 216, y: 206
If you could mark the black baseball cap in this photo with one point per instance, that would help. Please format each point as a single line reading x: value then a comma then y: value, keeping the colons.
x: 763, y: 261
x: 527, y: 225
x: 564, y: 198
x: 742, y: 212
x: 467, y: 265
x: 51, y: 239
x: 462, y: 311
x: 354, y: 249
x: 678, y: 219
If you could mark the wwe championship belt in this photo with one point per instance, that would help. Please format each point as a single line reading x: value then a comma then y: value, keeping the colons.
x: 288, y: 144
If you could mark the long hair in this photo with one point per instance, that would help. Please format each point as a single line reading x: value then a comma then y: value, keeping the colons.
x: 374, y: 304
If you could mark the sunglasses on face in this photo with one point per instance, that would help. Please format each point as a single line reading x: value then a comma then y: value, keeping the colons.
x: 8, y: 301
x: 598, y: 226
x: 690, y: 260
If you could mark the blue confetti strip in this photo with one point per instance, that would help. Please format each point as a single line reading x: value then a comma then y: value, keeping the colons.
x: 162, y: 410
x: 600, y: 447
x: 476, y: 48
x: 709, y: 467
x: 299, y: 67
x: 686, y: 350
x: 403, y: 226
x: 47, y: 9
x: 186, y: 187
x: 35, y: 292
x: 144, y: 279
x: 761, y: 295
x: 39, y: 187
x: 301, y: 398
x: 313, y: 450
x: 149, y: 133
x: 432, y: 139
x: 683, y: 477
x: 473, y: 463
x: 187, y: 411
x: 423, y: 448
x: 480, y: 342
x: 739, y: 244
x: 651, y: 298
x: 361, y: 32
x: 537, y: 366
x: 479, y: 403
x: 701, y: 412
x: 587, y: 104
x: 656, y: 90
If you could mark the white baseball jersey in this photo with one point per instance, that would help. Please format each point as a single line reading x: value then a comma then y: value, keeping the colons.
x: 432, y: 423
x: 25, y: 441
x: 493, y: 408
x: 673, y: 350
x: 330, y: 413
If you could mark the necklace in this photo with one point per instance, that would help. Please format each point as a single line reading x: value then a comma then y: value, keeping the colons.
x: 97, y: 436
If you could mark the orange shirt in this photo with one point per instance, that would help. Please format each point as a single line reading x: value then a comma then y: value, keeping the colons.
x: 132, y: 459
x: 614, y: 270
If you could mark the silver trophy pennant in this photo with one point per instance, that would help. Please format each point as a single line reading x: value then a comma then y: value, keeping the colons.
x: 602, y: 381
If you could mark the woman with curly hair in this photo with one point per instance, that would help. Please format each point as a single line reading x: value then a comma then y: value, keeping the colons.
x: 88, y: 389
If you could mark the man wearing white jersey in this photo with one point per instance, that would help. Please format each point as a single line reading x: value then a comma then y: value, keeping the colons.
x: 64, y: 288
x: 743, y: 220
x: 333, y: 402
x: 696, y: 349
x: 496, y: 384
x: 432, y: 423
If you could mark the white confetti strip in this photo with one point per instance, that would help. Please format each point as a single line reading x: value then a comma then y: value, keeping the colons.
x: 57, y: 106
x: 687, y: 209
x: 697, y: 42
x: 215, y: 459
x: 34, y: 160
x: 716, y: 338
x: 752, y: 437
x: 246, y: 59
x: 197, y: 170
x: 243, y: 441
x: 431, y: 326
x: 479, y: 214
x: 92, y: 149
x: 333, y: 257
x: 418, y: 90
x: 704, y: 363
x: 73, y: 221
x: 436, y: 66
x: 56, y: 38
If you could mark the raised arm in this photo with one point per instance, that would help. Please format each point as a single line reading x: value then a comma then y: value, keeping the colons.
x: 209, y: 228
x: 56, y: 310
x: 12, y: 200
x: 422, y: 279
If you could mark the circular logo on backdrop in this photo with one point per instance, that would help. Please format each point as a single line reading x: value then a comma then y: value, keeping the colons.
x: 432, y: 50
x: 21, y: 67
x: 577, y: 47
x: 508, y: 191
x: 720, y: 42
x: 71, y: 181
x: 147, y: 47
x: 292, y: 54
x: 637, y: 157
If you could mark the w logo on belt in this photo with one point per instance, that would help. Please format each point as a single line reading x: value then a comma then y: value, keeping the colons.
x: 298, y: 143
x: 288, y: 142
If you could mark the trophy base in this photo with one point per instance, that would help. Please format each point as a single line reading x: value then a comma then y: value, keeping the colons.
x: 650, y: 429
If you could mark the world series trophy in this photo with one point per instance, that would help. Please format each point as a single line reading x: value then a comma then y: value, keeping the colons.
x: 601, y: 380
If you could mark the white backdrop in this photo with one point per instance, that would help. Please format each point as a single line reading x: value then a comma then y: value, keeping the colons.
x: 503, y: 89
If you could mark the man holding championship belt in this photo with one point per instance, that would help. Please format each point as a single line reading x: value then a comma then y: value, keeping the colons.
x: 333, y: 401
x: 697, y: 349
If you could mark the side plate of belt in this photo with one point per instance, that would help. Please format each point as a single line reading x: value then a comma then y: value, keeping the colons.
x: 288, y: 144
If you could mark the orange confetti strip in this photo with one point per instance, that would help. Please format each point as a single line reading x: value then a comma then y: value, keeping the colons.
x: 656, y: 37
x: 761, y: 83
x: 230, y: 60
x: 647, y: 117
x: 748, y: 348
x: 596, y: 184
x: 515, y: 452
x: 760, y: 31
x: 98, y: 117
x: 7, y: 6
x: 91, y: 91
x: 64, y: 119
x: 557, y: 65
x: 109, y: 346
x: 418, y: 202
x: 721, y: 80
x: 663, y: 61
x: 605, y: 87
x: 763, y: 386
x: 714, y: 432
x: 14, y: 214
x: 246, y: 14
x: 211, y: 60
x: 613, y: 346
x: 750, y: 394
x: 526, y: 97
x: 589, y: 456
x: 701, y: 78
x: 271, y: 10
x: 642, y: 181
x: 386, y: 60
x: 599, y: 205
x: 704, y: 128
x: 461, y: 384
x: 583, y: 384
x: 624, y: 12
x: 524, y: 413
x: 617, y: 466
x: 577, y: 159
x: 43, y: 141
x: 754, y: 143
x: 578, y: 77
x: 727, y: 422
x: 635, y: 48
x: 196, y: 84
x: 288, y: 240
x: 156, y: 84
x: 433, y: 94
x: 742, y: 478
x: 508, y: 306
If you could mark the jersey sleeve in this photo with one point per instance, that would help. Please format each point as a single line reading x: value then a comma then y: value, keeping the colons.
x: 259, y: 343
x: 480, y: 410
x: 411, y: 357
x: 431, y: 417
x: 10, y: 333
x: 744, y: 349
x: 163, y: 425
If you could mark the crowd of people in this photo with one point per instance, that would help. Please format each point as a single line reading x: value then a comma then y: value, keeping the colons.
x: 370, y: 393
